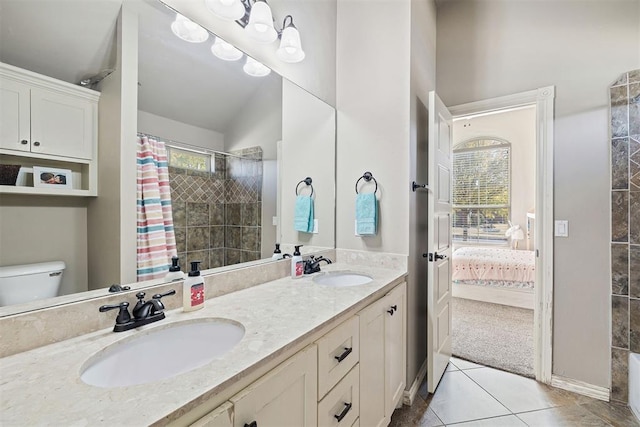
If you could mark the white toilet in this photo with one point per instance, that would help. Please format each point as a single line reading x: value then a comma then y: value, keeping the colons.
x: 30, y: 282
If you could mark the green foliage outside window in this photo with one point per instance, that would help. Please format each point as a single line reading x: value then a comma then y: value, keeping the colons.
x: 481, y: 190
x: 185, y: 159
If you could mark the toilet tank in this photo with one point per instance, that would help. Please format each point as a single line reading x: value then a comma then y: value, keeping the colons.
x: 30, y: 282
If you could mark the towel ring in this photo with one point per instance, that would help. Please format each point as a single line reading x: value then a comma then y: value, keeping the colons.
x: 306, y: 181
x: 367, y: 176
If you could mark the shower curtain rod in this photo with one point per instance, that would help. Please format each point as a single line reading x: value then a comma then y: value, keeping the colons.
x: 183, y: 145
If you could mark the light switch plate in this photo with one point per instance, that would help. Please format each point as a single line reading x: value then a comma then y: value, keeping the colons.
x: 562, y: 228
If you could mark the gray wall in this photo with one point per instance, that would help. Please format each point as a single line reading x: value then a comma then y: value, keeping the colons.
x: 499, y: 47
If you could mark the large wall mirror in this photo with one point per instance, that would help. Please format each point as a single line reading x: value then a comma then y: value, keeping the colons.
x: 263, y: 135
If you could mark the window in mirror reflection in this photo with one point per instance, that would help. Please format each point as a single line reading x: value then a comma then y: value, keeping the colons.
x: 189, y: 159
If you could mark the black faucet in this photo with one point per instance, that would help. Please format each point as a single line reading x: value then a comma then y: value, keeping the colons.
x: 144, y: 312
x: 312, y: 265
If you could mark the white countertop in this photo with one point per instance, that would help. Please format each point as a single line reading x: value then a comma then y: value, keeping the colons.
x: 43, y: 386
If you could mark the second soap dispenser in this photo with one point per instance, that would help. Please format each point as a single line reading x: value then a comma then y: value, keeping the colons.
x: 193, y: 290
x: 297, y: 264
x: 174, y: 271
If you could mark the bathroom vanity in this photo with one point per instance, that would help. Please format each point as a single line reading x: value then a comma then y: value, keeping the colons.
x: 310, y: 354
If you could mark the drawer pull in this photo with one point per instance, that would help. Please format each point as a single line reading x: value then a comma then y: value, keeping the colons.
x: 345, y: 411
x: 347, y: 351
x: 253, y: 424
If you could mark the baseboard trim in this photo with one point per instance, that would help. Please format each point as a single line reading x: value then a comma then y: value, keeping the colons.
x: 580, y: 387
x: 409, y: 395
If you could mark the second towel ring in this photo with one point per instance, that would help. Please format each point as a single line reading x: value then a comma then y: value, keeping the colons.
x: 367, y: 176
x: 306, y: 181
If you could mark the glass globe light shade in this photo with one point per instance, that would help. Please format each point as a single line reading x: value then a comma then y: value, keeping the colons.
x: 290, y: 49
x: 225, y: 51
x: 229, y: 10
x: 255, y: 68
x: 260, y: 26
x: 188, y: 30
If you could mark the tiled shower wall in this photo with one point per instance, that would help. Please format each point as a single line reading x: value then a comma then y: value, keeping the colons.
x: 625, y: 229
x: 217, y: 215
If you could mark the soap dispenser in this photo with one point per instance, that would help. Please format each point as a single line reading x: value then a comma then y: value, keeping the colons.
x: 193, y: 289
x: 277, y: 254
x: 174, y: 271
x: 297, y: 264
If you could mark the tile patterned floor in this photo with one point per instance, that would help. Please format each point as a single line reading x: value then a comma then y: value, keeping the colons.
x: 472, y: 395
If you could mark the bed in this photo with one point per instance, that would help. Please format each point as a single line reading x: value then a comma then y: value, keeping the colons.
x: 496, y: 275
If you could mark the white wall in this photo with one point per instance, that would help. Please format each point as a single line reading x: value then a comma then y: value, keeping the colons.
x: 519, y: 128
x: 179, y: 132
x: 259, y: 122
x: 308, y: 150
x: 499, y: 47
x: 316, y: 21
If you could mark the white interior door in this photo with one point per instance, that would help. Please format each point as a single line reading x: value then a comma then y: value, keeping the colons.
x: 439, y: 242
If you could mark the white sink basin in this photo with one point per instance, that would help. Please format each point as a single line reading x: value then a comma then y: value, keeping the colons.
x: 341, y: 279
x: 162, y: 353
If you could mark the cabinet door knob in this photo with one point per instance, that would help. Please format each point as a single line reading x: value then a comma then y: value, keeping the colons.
x: 37, y: 144
x: 24, y: 142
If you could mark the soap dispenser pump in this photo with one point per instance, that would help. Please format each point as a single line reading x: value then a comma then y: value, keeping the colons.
x: 193, y: 289
x: 297, y: 264
x: 277, y: 254
x: 174, y: 271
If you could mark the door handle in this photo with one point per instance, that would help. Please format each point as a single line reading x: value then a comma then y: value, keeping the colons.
x: 435, y: 256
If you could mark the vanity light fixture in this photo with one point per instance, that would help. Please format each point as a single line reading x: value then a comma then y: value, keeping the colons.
x: 290, y: 46
x: 257, y: 20
x: 188, y: 30
x: 255, y: 68
x: 225, y: 51
x: 229, y: 10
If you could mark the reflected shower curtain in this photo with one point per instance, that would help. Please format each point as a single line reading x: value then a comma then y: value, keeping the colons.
x: 156, y: 238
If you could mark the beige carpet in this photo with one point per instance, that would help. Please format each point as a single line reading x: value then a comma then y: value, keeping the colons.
x: 493, y: 335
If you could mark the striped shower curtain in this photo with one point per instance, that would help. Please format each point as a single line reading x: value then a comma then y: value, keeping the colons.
x: 156, y: 238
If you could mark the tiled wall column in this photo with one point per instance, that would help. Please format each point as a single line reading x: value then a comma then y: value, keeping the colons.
x: 625, y: 229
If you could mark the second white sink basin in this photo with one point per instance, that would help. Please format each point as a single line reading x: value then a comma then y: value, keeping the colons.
x: 342, y: 278
x: 162, y: 353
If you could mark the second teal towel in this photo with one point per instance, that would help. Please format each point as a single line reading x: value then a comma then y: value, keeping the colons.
x: 303, y: 216
x: 366, y: 214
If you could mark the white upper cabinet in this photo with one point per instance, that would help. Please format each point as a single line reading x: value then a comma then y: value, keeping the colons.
x: 15, y: 119
x: 41, y: 115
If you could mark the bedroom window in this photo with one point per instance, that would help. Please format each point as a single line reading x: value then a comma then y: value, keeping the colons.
x: 481, y: 190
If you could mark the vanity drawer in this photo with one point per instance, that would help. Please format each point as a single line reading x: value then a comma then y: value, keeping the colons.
x: 338, y: 352
x: 341, y: 406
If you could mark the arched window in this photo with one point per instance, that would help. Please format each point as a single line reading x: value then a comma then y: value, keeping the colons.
x: 481, y: 190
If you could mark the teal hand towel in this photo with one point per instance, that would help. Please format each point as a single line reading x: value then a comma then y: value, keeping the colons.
x: 366, y: 214
x: 303, y: 216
